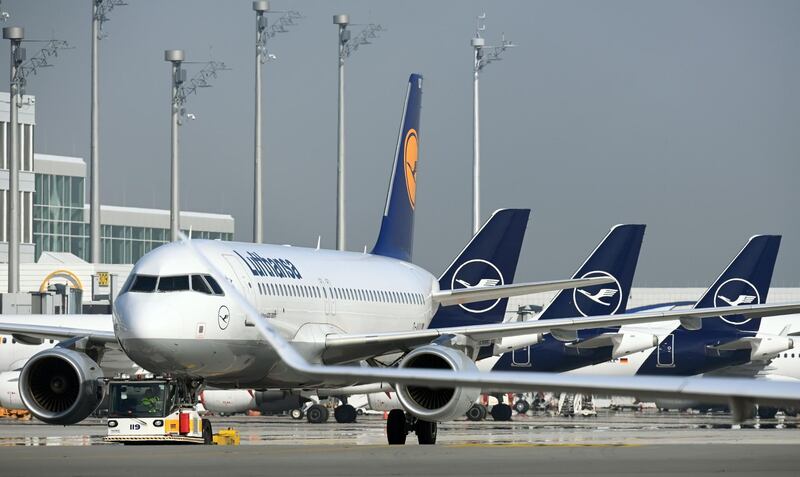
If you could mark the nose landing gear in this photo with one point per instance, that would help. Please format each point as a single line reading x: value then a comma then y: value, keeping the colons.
x: 399, y: 425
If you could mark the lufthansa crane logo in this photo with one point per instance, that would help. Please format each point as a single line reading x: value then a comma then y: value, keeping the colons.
x: 477, y: 273
x: 410, y: 156
x: 223, y: 317
x: 608, y: 296
x: 736, y: 292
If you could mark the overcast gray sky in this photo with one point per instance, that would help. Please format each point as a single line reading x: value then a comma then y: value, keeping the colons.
x: 682, y: 115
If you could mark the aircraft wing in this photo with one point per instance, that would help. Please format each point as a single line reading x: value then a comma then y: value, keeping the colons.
x: 341, y: 348
x: 483, y: 293
x: 740, y: 394
x: 29, y: 328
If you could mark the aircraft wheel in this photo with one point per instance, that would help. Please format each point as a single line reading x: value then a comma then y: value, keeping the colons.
x: 345, y: 414
x: 296, y: 414
x: 476, y: 413
x: 317, y: 414
x: 208, y: 433
x: 522, y: 406
x: 426, y: 432
x: 360, y: 412
x: 765, y: 412
x: 501, y: 412
x: 396, y: 430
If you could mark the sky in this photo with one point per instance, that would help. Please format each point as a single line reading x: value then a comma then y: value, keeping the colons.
x: 682, y: 115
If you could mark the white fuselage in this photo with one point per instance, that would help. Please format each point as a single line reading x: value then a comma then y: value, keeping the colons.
x: 306, y: 294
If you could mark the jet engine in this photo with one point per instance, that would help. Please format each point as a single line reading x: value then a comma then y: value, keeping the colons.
x: 61, y: 386
x: 9, y: 391
x: 440, y: 404
x: 629, y: 343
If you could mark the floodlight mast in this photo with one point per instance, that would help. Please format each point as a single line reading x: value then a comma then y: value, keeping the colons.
x: 347, y: 46
x: 20, y: 70
x: 260, y: 7
x: 263, y: 33
x: 482, y: 56
x: 15, y: 34
x: 181, y: 89
x: 178, y: 76
x: 100, y: 10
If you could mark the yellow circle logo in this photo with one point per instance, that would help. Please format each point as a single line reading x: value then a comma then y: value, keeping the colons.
x: 410, y: 156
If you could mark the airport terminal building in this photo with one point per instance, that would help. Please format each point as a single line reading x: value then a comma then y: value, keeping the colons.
x: 61, y: 217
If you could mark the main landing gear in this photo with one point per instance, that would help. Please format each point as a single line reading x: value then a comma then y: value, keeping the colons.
x: 345, y: 414
x: 399, y: 425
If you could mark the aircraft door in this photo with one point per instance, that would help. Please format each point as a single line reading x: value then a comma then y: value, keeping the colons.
x: 327, y: 296
x: 666, y: 352
x: 521, y: 357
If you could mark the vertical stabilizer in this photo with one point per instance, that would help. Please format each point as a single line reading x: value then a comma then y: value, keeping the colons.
x: 396, y: 238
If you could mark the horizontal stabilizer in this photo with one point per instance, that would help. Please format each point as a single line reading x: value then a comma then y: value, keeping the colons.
x: 494, y: 292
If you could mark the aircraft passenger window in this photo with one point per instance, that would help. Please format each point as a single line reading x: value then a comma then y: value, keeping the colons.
x: 214, y: 285
x: 144, y: 283
x: 4, y: 340
x: 200, y: 285
x: 170, y: 284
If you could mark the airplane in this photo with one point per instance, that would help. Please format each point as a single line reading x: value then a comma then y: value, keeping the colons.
x: 233, y: 315
x: 723, y: 341
x: 602, y: 350
x: 616, y: 257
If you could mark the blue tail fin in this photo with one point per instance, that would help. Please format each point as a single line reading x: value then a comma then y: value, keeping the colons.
x: 615, y: 257
x: 396, y: 238
x: 745, y: 282
x: 490, y: 257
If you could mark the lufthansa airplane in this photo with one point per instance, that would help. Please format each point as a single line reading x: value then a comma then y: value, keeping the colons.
x: 232, y: 315
x: 659, y: 348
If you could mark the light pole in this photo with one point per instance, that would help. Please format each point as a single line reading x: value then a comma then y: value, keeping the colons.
x: 344, y: 37
x: 260, y: 6
x: 347, y: 46
x: 263, y: 33
x: 178, y: 77
x: 181, y: 89
x: 15, y: 34
x: 100, y: 10
x: 482, y: 56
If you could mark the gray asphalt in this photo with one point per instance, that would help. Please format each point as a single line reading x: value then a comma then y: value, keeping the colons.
x: 617, y: 444
x: 352, y: 461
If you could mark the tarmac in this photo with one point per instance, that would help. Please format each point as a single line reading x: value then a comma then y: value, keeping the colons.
x: 633, y: 443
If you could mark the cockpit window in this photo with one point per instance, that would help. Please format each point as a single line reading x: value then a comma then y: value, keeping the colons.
x: 144, y: 283
x: 200, y: 285
x: 170, y: 284
x: 214, y: 285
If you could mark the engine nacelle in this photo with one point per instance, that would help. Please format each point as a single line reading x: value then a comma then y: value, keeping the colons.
x: 9, y: 391
x: 629, y: 343
x: 441, y: 404
x: 767, y: 346
x: 61, y: 386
